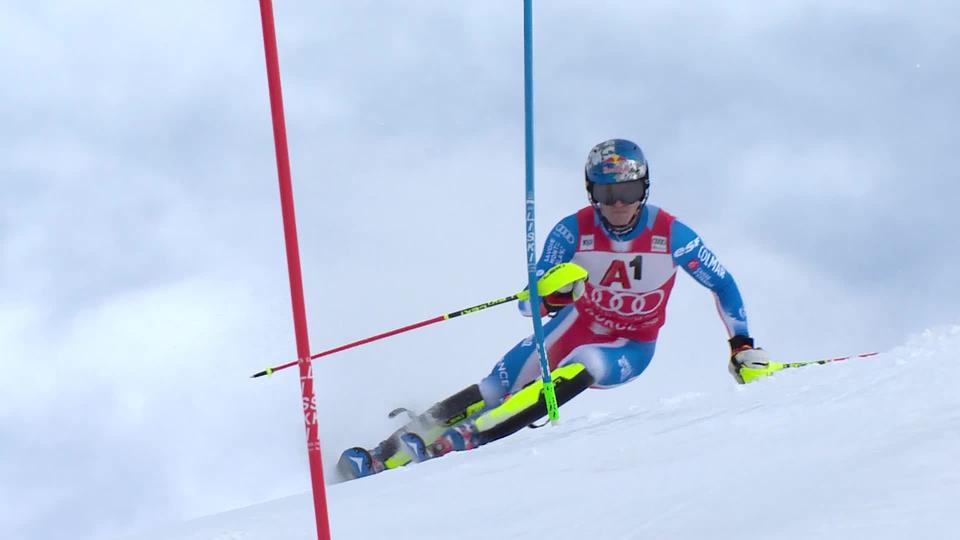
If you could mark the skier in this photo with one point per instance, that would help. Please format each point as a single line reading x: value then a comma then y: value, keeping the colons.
x: 603, y: 330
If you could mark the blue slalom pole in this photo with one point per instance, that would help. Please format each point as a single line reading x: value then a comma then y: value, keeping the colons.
x: 549, y: 392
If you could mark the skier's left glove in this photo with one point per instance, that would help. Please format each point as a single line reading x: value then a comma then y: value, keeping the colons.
x: 563, y: 297
x: 744, y: 355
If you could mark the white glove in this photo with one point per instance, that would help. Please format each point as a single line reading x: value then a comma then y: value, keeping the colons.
x: 744, y: 355
x: 752, y: 358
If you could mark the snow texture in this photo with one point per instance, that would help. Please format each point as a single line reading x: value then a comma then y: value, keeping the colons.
x: 860, y: 449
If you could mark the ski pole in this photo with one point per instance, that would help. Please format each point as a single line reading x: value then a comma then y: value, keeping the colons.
x: 827, y: 361
x: 555, y: 278
x: 752, y: 374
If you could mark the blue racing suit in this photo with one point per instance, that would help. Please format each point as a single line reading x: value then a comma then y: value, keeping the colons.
x: 612, y: 329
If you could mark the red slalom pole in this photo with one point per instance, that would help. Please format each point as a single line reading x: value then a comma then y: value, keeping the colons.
x: 293, y: 267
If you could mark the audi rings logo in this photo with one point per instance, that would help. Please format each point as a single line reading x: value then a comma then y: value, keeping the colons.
x: 627, y: 304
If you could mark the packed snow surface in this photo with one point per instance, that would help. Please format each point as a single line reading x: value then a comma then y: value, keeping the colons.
x: 867, y: 448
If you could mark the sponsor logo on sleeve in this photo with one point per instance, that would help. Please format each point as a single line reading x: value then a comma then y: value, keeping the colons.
x: 691, y: 245
x: 554, y: 251
x: 703, y: 277
x: 586, y: 242
x: 710, y: 261
x: 659, y: 244
x: 563, y: 231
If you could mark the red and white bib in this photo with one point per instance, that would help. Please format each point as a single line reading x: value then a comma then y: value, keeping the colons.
x: 630, y: 282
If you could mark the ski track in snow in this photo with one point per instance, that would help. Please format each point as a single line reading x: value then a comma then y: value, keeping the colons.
x: 860, y: 449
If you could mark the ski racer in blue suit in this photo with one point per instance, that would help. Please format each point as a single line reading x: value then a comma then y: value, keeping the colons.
x: 603, y: 330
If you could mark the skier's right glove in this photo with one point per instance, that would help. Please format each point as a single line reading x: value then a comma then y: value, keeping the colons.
x: 563, y: 297
x: 744, y: 355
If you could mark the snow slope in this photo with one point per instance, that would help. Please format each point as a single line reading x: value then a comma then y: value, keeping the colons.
x: 860, y: 449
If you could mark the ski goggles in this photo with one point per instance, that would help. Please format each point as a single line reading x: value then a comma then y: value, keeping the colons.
x: 625, y: 192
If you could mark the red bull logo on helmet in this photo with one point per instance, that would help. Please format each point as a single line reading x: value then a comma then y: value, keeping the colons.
x: 616, y: 160
x: 625, y: 170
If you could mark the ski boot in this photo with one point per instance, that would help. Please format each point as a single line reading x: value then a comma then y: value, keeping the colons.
x: 406, y: 445
x: 463, y: 436
x: 461, y: 422
x: 358, y: 462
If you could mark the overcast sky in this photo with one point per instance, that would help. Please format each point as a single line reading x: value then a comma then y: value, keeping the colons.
x: 142, y: 274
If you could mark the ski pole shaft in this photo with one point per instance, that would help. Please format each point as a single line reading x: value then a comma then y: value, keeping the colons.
x: 827, y: 360
x: 414, y: 326
x: 557, y: 277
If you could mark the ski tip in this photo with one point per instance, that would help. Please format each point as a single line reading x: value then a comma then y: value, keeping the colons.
x: 401, y: 410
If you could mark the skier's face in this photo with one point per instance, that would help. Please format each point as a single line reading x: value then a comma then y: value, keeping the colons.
x: 619, y: 214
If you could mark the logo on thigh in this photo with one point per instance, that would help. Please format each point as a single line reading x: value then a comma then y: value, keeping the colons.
x: 503, y: 374
x: 626, y: 368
